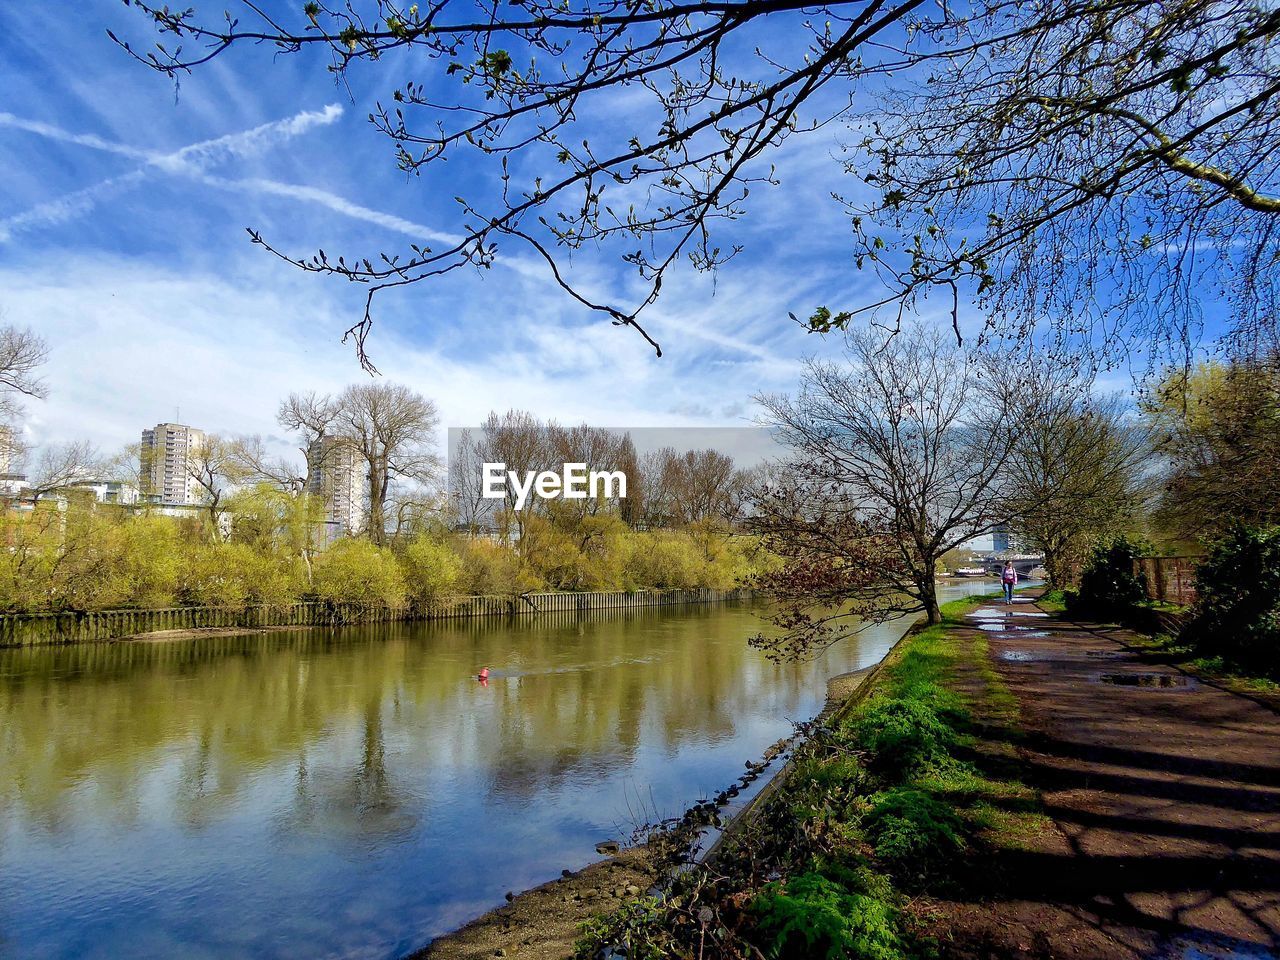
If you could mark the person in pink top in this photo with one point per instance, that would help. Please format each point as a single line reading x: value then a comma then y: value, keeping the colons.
x: 1009, y: 578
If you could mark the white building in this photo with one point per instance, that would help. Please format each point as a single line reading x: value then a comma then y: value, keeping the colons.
x: 110, y: 491
x: 166, y: 449
x: 336, y: 473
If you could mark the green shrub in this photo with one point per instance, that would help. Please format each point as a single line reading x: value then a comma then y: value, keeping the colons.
x: 902, y: 736
x: 431, y: 569
x: 234, y: 575
x: 1110, y: 584
x: 358, y: 572
x: 811, y: 916
x: 913, y: 833
x: 1236, y: 615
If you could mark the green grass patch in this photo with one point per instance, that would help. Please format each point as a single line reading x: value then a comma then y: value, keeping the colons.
x: 885, y: 800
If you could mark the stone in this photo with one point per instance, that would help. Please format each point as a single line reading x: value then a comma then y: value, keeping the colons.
x: 607, y: 848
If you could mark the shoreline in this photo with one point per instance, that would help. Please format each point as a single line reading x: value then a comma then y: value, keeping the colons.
x: 543, y: 922
x: 98, y: 626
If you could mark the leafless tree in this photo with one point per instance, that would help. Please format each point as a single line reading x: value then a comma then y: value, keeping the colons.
x: 1079, y: 469
x: 259, y: 464
x: 1111, y: 153
x: 22, y: 353
x: 690, y: 486
x: 215, y: 465
x: 898, y: 455
x: 59, y: 467
x: 393, y: 429
x: 1094, y: 169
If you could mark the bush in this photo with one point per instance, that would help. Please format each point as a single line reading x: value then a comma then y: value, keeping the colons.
x: 1237, y: 610
x: 431, y: 571
x: 1110, y: 584
x: 902, y: 736
x: 493, y: 569
x: 811, y: 916
x: 912, y: 832
x: 358, y: 572
x: 236, y: 576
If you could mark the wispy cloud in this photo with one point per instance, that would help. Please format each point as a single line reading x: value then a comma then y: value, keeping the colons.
x: 194, y: 161
x: 49, y: 131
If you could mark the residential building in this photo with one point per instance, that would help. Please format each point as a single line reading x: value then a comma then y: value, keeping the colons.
x: 110, y: 491
x: 166, y: 452
x: 336, y: 473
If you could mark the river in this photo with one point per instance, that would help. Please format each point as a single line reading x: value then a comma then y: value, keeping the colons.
x: 356, y: 792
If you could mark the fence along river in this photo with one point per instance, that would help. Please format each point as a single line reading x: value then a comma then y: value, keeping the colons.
x: 353, y: 791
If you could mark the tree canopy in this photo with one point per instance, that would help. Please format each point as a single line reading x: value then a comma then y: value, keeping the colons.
x: 1100, y: 168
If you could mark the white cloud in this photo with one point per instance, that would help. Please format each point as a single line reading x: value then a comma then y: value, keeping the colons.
x: 133, y: 343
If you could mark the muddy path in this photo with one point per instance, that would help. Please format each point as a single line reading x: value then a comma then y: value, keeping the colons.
x: 1164, y: 793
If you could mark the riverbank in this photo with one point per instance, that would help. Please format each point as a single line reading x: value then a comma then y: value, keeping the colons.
x: 36, y: 629
x: 1010, y: 784
x: 547, y: 922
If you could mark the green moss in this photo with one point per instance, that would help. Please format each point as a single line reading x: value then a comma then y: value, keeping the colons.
x: 812, y: 916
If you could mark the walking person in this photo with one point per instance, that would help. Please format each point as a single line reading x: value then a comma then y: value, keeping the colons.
x: 1009, y: 579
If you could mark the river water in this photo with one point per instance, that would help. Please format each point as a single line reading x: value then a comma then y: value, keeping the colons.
x: 356, y: 792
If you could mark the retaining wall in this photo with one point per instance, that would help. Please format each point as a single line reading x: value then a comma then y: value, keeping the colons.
x: 29, y: 629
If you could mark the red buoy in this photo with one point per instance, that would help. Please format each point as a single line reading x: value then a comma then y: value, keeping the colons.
x: 483, y: 674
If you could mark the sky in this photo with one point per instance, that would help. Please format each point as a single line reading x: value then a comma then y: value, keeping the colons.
x: 124, y: 201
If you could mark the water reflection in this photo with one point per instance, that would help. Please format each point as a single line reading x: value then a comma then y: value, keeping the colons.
x: 355, y: 792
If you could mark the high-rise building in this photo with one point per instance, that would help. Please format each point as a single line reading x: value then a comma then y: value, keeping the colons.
x: 166, y: 452
x: 336, y: 473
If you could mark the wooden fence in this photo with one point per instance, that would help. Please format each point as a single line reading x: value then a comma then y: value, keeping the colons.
x: 29, y: 629
x: 1170, y: 579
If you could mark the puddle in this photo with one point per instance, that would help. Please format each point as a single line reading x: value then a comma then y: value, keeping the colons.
x: 987, y: 613
x: 1208, y: 946
x: 1027, y: 613
x: 1162, y: 681
x: 1021, y: 656
x: 990, y: 627
x: 1103, y: 654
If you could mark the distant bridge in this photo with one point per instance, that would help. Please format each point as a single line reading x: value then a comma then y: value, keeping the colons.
x: 1024, y: 563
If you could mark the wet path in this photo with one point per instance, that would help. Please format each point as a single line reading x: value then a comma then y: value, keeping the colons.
x: 1165, y: 797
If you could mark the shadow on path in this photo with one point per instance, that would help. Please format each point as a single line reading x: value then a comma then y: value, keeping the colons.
x: 1166, y: 810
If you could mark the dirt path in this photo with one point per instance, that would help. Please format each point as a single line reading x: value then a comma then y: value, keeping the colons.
x: 1165, y: 797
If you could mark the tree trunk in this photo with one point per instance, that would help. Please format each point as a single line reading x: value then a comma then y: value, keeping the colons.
x: 929, y: 592
x: 377, y: 501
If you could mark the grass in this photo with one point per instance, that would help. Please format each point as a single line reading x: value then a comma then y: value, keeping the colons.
x: 888, y: 800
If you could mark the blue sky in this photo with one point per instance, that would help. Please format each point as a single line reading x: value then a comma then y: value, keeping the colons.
x: 123, y: 207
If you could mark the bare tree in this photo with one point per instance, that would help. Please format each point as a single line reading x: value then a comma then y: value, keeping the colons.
x: 1079, y: 469
x: 215, y: 465
x: 898, y: 456
x: 1090, y: 168
x: 22, y: 353
x: 1031, y: 152
x: 258, y: 464
x: 393, y: 428
x: 690, y: 486
x: 60, y: 467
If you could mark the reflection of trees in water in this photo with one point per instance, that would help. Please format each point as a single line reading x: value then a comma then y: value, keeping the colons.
x: 360, y: 721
